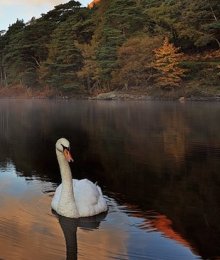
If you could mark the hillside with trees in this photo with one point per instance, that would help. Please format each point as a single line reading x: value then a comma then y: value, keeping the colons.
x: 157, y: 47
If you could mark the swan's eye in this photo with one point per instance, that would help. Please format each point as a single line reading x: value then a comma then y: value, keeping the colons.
x: 65, y: 148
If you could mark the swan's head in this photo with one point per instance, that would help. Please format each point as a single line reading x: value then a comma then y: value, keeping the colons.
x: 63, y: 146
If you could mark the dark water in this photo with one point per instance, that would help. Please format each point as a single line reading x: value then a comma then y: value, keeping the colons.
x: 158, y: 164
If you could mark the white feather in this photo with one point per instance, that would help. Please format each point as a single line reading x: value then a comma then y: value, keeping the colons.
x: 89, y: 200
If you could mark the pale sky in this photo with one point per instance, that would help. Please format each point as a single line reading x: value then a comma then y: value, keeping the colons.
x: 10, y: 10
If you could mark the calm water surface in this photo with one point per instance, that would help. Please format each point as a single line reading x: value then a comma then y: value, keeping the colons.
x: 158, y: 164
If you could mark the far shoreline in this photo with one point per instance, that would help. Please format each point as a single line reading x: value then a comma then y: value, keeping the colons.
x: 122, y: 98
x: 19, y: 92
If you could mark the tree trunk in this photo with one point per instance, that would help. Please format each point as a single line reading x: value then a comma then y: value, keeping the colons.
x: 1, y: 82
x: 213, y: 13
x: 5, y: 78
x: 218, y: 42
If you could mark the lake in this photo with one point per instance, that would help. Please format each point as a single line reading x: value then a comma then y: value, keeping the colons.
x: 157, y: 163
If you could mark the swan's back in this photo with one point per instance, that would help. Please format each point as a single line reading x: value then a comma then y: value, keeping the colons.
x: 89, y: 198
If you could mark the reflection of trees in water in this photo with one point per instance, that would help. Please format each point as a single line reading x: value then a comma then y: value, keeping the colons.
x: 157, y: 160
x: 163, y: 157
x: 175, y: 137
x: 30, y: 134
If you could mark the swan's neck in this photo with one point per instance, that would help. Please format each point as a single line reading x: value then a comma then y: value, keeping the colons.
x: 67, y: 205
x: 66, y: 174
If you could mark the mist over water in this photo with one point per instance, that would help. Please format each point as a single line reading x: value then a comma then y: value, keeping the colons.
x: 157, y: 163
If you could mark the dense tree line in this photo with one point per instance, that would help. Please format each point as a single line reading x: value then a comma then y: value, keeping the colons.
x: 164, y: 44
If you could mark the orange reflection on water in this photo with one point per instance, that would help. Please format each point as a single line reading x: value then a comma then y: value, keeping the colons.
x: 27, y: 234
x: 29, y: 230
x: 164, y: 225
x: 153, y: 221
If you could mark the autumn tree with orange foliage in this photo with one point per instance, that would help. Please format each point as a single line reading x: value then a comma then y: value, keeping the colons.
x: 135, y: 58
x: 167, y: 63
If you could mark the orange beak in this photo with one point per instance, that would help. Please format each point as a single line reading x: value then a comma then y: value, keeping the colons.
x: 68, y: 155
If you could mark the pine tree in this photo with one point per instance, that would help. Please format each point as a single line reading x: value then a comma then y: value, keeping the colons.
x: 167, y: 61
x: 90, y: 72
x: 64, y: 59
x: 64, y: 55
x: 12, y: 58
x: 120, y: 20
x: 201, y: 22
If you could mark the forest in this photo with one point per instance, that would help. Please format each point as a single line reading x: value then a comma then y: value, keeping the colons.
x: 158, y: 47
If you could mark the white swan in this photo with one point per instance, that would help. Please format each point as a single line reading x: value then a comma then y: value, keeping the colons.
x: 75, y: 198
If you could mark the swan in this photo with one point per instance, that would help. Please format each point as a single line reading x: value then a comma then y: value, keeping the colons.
x: 75, y: 198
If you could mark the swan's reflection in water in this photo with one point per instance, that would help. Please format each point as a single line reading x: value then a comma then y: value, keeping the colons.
x: 69, y: 227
